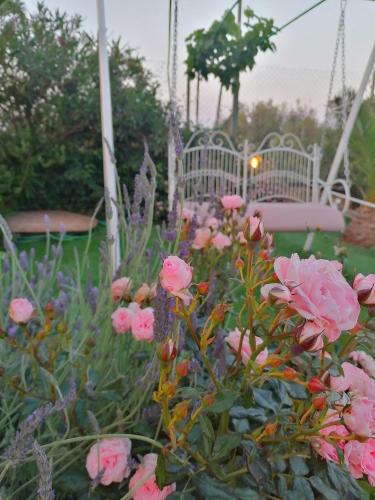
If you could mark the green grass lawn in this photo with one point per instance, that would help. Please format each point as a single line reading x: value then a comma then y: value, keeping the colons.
x: 359, y: 259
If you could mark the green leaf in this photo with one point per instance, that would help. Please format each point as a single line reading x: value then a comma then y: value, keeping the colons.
x: 225, y: 399
x: 161, y: 472
x: 302, y: 487
x: 224, y: 444
x: 209, y: 488
x: 296, y: 391
x: 265, y: 399
x: 208, y: 435
x: 327, y: 492
x: 298, y: 466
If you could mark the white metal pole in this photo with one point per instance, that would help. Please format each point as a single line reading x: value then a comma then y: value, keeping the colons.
x: 343, y: 144
x: 107, y: 139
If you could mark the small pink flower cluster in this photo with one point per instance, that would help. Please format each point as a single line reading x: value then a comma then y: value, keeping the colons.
x: 134, y: 319
x: 234, y: 338
x: 359, y: 419
x: 21, y: 310
x: 317, y: 290
x: 108, y: 461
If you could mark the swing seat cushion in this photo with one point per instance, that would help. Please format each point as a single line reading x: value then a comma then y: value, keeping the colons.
x: 289, y: 217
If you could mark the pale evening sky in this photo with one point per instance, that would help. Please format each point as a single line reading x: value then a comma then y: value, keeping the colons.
x: 299, y: 69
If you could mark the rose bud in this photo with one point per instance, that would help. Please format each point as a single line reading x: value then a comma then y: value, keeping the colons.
x: 274, y: 361
x: 203, y: 287
x: 289, y: 373
x: 208, y: 400
x: 270, y: 429
x: 218, y: 314
x: 240, y: 264
x: 182, y: 368
x: 276, y: 293
x: 319, y: 403
x: 167, y: 351
x: 267, y: 242
x: 365, y: 288
x: 315, y: 385
x: 309, y: 336
x: 263, y: 254
x: 256, y: 229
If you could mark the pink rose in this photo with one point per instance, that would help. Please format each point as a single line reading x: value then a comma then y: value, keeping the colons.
x: 212, y: 223
x: 187, y: 214
x: 366, y: 361
x: 221, y: 241
x: 319, y: 292
x: 368, y: 460
x: 21, y: 310
x: 256, y: 229
x: 110, y: 459
x: 360, y: 417
x: 353, y: 453
x: 176, y: 276
x: 310, y: 336
x: 365, y: 288
x: 326, y: 449
x: 233, y: 339
x: 121, y: 288
x: 121, y: 320
x: 145, y: 292
x: 202, y: 238
x: 149, y: 490
x: 276, y: 293
x: 355, y: 380
x: 142, y: 324
x: 232, y: 202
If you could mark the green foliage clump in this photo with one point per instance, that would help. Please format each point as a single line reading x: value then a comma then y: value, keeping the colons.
x: 50, y: 128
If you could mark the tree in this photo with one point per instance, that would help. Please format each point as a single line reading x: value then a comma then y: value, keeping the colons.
x: 224, y: 51
x: 50, y: 134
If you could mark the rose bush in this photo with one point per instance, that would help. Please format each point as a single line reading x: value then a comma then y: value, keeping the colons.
x: 208, y: 367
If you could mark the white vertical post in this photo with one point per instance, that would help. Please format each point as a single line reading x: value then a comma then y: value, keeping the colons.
x: 343, y: 144
x: 109, y: 167
x: 316, y: 173
x: 171, y: 168
x: 245, y: 168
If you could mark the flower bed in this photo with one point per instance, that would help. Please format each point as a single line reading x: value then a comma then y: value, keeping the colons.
x: 208, y: 368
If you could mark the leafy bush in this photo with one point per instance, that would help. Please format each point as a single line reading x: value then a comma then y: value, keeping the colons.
x: 50, y: 129
x: 234, y: 377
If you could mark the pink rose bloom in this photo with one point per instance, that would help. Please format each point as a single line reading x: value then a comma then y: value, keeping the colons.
x: 187, y: 214
x: 353, y: 453
x: 121, y: 288
x: 256, y: 228
x: 202, y: 238
x: 212, y: 223
x: 326, y: 449
x: 142, y: 324
x: 276, y: 293
x: 232, y: 202
x: 360, y: 417
x: 175, y: 277
x: 21, y: 310
x: 368, y: 460
x: 365, y: 288
x: 319, y: 292
x: 233, y: 339
x: 109, y: 457
x: 366, y: 361
x: 149, y: 490
x: 354, y: 380
x: 221, y: 241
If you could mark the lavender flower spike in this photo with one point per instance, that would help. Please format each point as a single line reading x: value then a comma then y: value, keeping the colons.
x: 45, y: 491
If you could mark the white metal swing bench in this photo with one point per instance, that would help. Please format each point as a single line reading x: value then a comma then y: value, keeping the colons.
x: 280, y: 178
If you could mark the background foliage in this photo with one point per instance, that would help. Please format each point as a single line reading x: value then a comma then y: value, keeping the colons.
x: 50, y: 142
